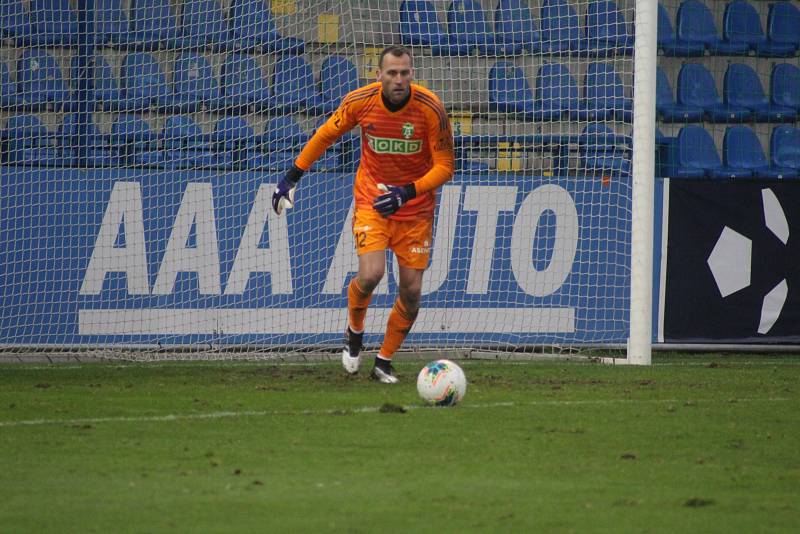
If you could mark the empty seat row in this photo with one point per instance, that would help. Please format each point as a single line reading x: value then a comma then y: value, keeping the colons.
x: 142, y: 84
x: 515, y: 29
x: 693, y: 154
x: 555, y: 96
x: 696, y: 34
x: 149, y: 24
x: 232, y: 144
x: 743, y: 99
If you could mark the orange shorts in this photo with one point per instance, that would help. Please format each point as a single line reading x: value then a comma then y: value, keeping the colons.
x: 409, y: 240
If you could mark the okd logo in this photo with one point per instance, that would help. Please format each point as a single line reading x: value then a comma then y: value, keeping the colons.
x: 388, y: 145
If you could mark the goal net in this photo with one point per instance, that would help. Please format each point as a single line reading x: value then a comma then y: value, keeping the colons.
x: 143, y: 140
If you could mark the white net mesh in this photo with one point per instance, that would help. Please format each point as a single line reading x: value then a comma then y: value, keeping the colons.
x: 143, y: 139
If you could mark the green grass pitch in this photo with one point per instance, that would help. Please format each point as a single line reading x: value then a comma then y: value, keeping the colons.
x: 690, y: 444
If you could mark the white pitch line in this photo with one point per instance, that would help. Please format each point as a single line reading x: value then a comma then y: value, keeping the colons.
x: 363, y: 409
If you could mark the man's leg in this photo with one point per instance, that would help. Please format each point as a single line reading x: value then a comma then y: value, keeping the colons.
x: 371, y: 266
x: 401, y: 319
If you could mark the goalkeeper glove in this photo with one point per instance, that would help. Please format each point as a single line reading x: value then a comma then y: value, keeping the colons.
x: 393, y: 198
x: 283, y: 197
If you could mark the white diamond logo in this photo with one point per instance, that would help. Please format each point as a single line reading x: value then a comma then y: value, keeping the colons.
x: 730, y: 262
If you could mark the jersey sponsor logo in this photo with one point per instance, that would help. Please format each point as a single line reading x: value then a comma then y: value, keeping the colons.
x: 390, y: 145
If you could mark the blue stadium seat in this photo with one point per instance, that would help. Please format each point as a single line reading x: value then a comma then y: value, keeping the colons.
x: 144, y: 84
x: 742, y: 150
x: 194, y: 85
x: 293, y: 85
x: 743, y: 88
x: 556, y: 95
x: 784, y: 85
x: 243, y: 83
x: 254, y: 29
x: 695, y: 24
x: 784, y: 148
x: 600, y: 151
x: 420, y: 26
x: 106, y: 92
x: 337, y: 77
x: 29, y: 143
x: 669, y: 44
x: 560, y: 29
x: 467, y: 21
x: 9, y: 99
x: 606, y: 29
x: 509, y: 90
x: 667, y: 108
x: 185, y: 146
x: 693, y: 154
x: 741, y: 24
x: 14, y: 21
x: 237, y: 146
x: 514, y: 26
x: 134, y: 142
x: 696, y: 87
x: 40, y: 82
x: 604, y: 95
x: 154, y: 24
x: 783, y: 24
x: 204, y: 25
x: 53, y: 23
x: 97, y: 152
x: 111, y: 23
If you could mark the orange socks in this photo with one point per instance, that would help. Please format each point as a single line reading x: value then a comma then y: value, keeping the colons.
x: 357, y: 302
x: 400, y: 322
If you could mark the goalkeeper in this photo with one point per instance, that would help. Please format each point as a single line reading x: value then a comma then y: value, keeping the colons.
x: 406, y: 154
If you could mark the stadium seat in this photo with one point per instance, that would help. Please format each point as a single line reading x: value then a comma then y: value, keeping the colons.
x: 243, y: 84
x: 154, y: 24
x: 556, y: 95
x: 783, y: 24
x: 560, y: 29
x: 467, y: 22
x: 667, y: 109
x: 695, y: 24
x: 337, y: 77
x: 784, y: 85
x: 111, y: 23
x: 9, y: 99
x: 696, y: 87
x: 693, y: 155
x: 105, y: 93
x: 254, y: 29
x: 600, y: 151
x: 509, y: 90
x: 237, y: 146
x: 204, y: 25
x: 419, y: 26
x: 134, y: 142
x: 514, y: 26
x: 784, y: 148
x: 29, y: 143
x: 669, y: 45
x: 604, y: 95
x: 40, y: 82
x: 144, y: 84
x: 606, y: 29
x: 14, y: 21
x: 742, y: 88
x: 194, y: 85
x: 741, y: 24
x: 742, y: 150
x: 53, y: 23
x: 293, y: 85
x: 185, y: 146
x: 96, y: 152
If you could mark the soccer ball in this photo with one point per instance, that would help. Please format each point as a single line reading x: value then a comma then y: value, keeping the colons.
x: 442, y: 383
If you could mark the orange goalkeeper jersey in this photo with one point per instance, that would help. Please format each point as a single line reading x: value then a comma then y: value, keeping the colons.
x: 413, y: 144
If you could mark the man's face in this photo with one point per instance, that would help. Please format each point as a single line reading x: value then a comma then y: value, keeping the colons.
x: 395, y: 76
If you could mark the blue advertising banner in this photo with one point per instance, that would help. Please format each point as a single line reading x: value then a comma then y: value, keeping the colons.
x: 122, y: 256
